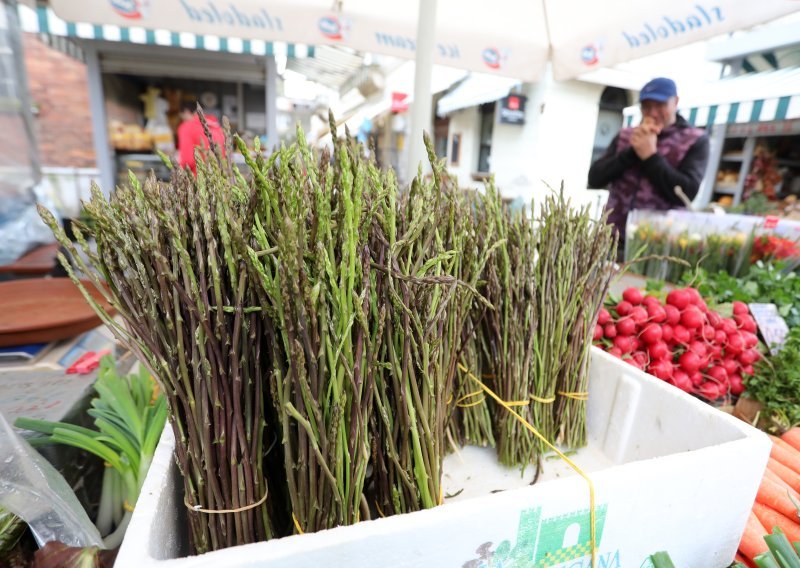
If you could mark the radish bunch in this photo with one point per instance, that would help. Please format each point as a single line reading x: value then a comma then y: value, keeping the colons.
x: 681, y: 341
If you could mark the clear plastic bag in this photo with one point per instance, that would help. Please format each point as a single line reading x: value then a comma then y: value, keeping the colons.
x: 21, y: 228
x: 33, y: 490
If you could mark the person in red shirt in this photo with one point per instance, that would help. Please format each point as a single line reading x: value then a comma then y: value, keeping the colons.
x: 191, y: 135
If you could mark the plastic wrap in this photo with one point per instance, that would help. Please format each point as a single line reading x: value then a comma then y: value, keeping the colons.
x: 21, y: 229
x: 32, y: 489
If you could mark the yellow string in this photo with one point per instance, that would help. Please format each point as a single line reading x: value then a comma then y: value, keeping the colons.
x: 575, y: 395
x: 471, y: 404
x: 297, y: 524
x: 549, y: 400
x: 508, y: 402
x: 449, y: 400
x: 569, y: 462
x: 199, y: 509
x: 127, y: 506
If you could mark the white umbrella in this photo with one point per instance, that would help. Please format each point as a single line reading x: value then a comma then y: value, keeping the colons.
x: 514, y: 38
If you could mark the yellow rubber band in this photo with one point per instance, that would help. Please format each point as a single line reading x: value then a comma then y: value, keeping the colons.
x: 297, y: 525
x: 535, y: 432
x: 199, y: 509
x: 515, y: 402
x: 575, y: 395
x: 470, y: 404
x: 127, y: 506
x: 549, y: 400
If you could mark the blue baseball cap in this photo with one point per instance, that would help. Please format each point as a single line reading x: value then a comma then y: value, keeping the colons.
x: 659, y: 89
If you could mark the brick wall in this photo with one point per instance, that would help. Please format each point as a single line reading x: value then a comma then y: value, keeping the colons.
x: 59, y: 88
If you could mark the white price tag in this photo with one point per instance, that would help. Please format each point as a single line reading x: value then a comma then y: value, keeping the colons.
x: 772, y: 326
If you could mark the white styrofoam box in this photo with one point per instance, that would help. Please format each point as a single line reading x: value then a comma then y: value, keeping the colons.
x: 670, y: 473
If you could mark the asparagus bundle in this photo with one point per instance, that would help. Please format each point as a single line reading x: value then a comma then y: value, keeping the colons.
x: 172, y: 261
x: 508, y: 330
x: 573, y: 269
x: 313, y: 231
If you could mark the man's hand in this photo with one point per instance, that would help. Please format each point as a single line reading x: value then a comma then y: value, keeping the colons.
x: 644, y: 138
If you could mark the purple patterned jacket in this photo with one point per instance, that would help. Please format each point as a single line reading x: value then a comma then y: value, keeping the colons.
x: 681, y: 159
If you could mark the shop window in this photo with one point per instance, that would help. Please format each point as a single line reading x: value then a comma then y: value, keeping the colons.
x: 455, y: 149
x: 487, y: 128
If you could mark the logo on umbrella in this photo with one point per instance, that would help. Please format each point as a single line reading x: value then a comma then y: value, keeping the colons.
x: 131, y: 9
x: 492, y: 57
x: 590, y: 54
x: 332, y: 27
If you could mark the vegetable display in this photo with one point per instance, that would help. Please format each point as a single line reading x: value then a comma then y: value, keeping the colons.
x: 681, y: 340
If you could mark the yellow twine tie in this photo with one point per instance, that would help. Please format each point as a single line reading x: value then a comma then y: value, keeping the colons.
x: 549, y: 400
x: 297, y: 524
x: 507, y: 402
x: 199, y: 509
x: 575, y: 395
x: 471, y: 404
x: 569, y: 462
x: 461, y: 404
x: 127, y: 506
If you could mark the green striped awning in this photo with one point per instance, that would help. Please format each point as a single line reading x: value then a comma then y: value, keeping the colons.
x: 44, y: 20
x: 759, y: 97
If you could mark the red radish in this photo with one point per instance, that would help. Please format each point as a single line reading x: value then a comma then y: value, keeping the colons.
x: 624, y: 308
x: 598, y: 333
x: 692, y: 317
x: 702, y: 306
x: 639, y: 315
x: 740, y: 308
x: 709, y: 390
x: 651, y: 301
x: 730, y: 365
x: 624, y: 343
x: 615, y: 352
x: 737, y: 386
x: 666, y: 332
x: 633, y: 295
x: 698, y: 348
x: 696, y: 378
x: 610, y: 331
x: 656, y: 313
x: 682, y: 381
x: 673, y: 314
x: 748, y: 370
x: 749, y: 356
x: 728, y: 326
x: 735, y: 343
x: 718, y: 373
x: 658, y: 350
x: 679, y: 298
x: 662, y: 369
x: 714, y: 319
x: 750, y: 339
x: 626, y: 326
x: 635, y: 363
x: 641, y: 358
x: 709, y: 332
x: 680, y: 334
x: 651, y: 333
x: 689, y: 362
x: 694, y: 295
x: 746, y: 322
x: 720, y: 337
x: 603, y: 317
x: 635, y: 343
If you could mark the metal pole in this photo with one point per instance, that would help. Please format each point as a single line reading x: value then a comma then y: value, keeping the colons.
x: 271, y: 110
x: 97, y: 106
x: 421, y: 106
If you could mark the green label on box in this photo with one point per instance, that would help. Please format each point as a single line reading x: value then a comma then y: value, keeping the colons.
x: 542, y: 542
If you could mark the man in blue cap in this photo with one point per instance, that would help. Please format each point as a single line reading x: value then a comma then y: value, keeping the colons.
x: 643, y: 165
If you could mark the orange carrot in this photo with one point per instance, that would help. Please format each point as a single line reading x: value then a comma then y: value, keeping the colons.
x: 792, y: 437
x: 743, y: 560
x: 771, y: 519
x: 785, y: 454
x: 777, y: 496
x: 752, y: 543
x: 788, y: 476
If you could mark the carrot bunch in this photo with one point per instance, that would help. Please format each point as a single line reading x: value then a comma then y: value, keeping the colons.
x: 778, y: 499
